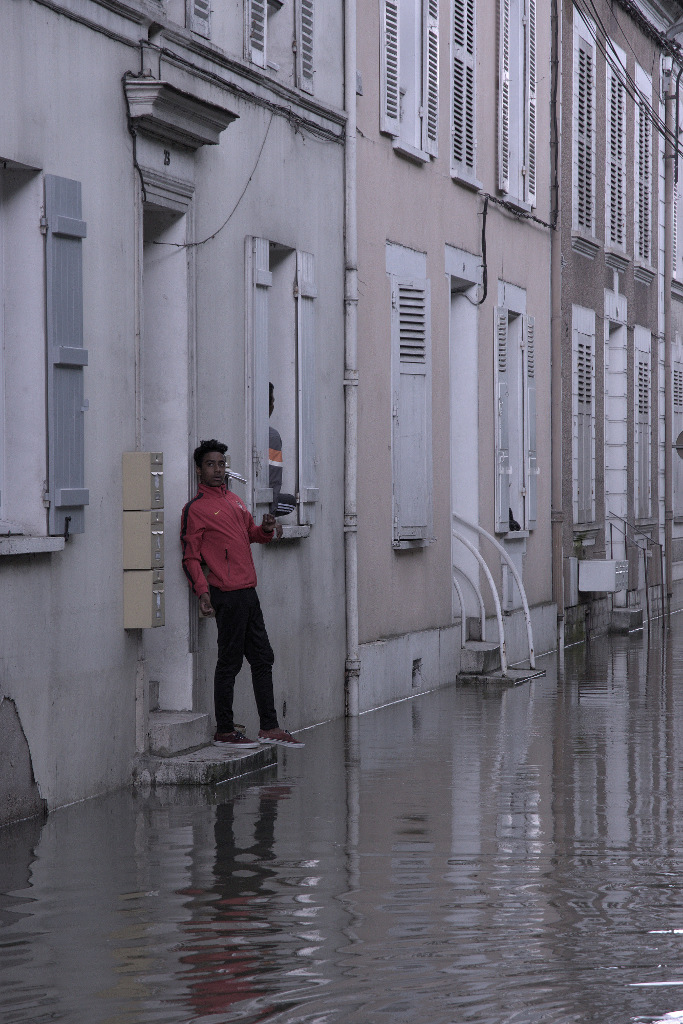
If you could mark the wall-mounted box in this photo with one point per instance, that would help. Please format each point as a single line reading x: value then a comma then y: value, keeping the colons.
x: 143, y: 480
x: 143, y: 598
x: 603, y: 575
x: 143, y: 540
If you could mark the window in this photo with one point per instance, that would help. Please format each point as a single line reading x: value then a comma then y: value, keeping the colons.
x: 677, y: 383
x: 517, y: 100
x: 463, y: 91
x: 41, y: 398
x: 198, y: 16
x: 282, y: 341
x: 615, y: 207
x: 268, y: 40
x: 583, y: 414
x: 409, y: 70
x: 411, y: 397
x: 583, y: 177
x: 643, y: 167
x: 643, y: 432
x: 515, y: 410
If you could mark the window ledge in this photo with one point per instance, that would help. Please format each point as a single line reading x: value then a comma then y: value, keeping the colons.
x: 22, y: 545
x: 585, y: 244
x: 616, y: 259
x: 293, y: 532
x: 463, y: 179
x: 417, y: 156
x: 644, y: 272
x: 676, y: 289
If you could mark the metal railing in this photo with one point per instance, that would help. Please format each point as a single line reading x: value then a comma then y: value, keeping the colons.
x: 649, y: 542
x: 499, y: 615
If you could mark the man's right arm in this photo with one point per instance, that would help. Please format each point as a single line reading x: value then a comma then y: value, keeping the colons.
x: 191, y: 536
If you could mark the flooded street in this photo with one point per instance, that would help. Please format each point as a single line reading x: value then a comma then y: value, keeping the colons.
x: 498, y: 857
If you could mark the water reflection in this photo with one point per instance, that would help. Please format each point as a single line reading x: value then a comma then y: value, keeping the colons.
x: 498, y: 857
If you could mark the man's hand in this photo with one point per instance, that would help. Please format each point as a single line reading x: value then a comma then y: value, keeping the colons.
x: 205, y: 606
x: 269, y: 523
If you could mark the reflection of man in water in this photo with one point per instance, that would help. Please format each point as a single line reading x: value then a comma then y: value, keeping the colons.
x: 282, y: 504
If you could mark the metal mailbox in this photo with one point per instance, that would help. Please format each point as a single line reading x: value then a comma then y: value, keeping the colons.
x: 603, y: 575
x: 143, y: 598
x: 143, y: 539
x: 143, y: 480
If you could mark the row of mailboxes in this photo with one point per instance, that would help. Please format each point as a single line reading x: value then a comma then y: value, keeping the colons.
x: 143, y: 540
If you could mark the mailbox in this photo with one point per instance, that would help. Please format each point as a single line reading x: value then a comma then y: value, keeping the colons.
x: 606, y: 575
x: 143, y: 539
x: 143, y: 480
x: 143, y: 598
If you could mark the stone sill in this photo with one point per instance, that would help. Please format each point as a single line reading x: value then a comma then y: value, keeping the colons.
x: 21, y: 545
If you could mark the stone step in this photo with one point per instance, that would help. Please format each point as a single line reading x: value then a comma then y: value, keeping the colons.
x: 513, y: 677
x: 171, y: 732
x: 203, y: 767
x: 479, y: 656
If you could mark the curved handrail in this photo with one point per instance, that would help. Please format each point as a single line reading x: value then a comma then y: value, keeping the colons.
x: 517, y: 578
x: 477, y: 591
x: 501, y: 632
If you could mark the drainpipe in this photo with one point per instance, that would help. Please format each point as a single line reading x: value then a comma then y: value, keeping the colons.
x: 671, y: 155
x: 352, y: 668
x: 556, y: 332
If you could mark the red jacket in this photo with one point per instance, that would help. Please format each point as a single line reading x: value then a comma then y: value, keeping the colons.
x: 217, y: 528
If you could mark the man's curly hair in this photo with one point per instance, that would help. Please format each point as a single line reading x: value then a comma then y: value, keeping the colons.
x: 208, y: 446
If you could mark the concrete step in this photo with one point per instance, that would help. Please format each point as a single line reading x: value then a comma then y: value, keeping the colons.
x: 513, y: 677
x: 624, y: 620
x: 473, y: 627
x: 479, y: 656
x: 202, y: 767
x: 171, y: 732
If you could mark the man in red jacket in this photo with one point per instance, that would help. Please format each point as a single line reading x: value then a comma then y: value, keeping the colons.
x: 217, y: 530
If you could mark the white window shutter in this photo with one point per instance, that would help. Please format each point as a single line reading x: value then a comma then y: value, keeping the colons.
x: 584, y: 124
x: 304, y: 45
x: 255, y: 31
x: 677, y: 383
x: 585, y: 426
x: 615, y: 207
x: 306, y: 343
x: 66, y: 356
x: 200, y: 17
x: 531, y: 469
x: 643, y: 166
x: 674, y: 269
x: 642, y: 423
x: 430, y: 77
x: 463, y: 115
x: 390, y: 113
x: 504, y: 98
x: 502, y: 413
x: 258, y: 253
x: 530, y: 103
x: 411, y: 410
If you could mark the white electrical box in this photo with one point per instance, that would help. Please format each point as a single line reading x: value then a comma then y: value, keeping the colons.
x: 603, y: 575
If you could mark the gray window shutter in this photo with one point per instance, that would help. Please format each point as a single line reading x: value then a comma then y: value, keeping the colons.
x: 642, y: 435
x: 463, y: 117
x: 200, y: 17
x: 504, y: 98
x: 255, y: 31
x: 677, y: 430
x: 531, y: 503
x: 306, y: 339
x: 261, y: 280
x: 585, y: 426
x: 304, y: 45
x: 530, y: 121
x: 66, y: 356
x: 411, y: 410
x: 430, y: 78
x: 390, y: 111
x: 502, y: 399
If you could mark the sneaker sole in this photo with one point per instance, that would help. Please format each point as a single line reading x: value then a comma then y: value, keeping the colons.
x: 281, y: 743
x: 234, y: 746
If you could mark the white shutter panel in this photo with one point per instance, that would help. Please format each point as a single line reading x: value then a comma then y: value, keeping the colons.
x: 504, y: 98
x: 615, y: 207
x: 677, y: 430
x: 411, y: 409
x: 430, y: 76
x: 530, y: 102
x: 463, y: 120
x: 200, y: 17
x: 261, y: 280
x: 390, y: 113
x: 255, y: 31
x: 585, y: 137
x: 585, y: 389
x: 643, y: 168
x: 531, y: 503
x: 674, y: 269
x: 306, y: 339
x: 66, y: 356
x: 642, y: 435
x: 502, y: 439
x: 304, y: 45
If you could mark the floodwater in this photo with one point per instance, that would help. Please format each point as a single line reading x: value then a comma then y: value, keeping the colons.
x: 498, y: 857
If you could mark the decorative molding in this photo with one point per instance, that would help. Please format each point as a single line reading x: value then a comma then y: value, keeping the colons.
x: 165, y: 192
x: 616, y: 259
x: 171, y: 116
x: 587, y: 245
x: 677, y: 289
x: 644, y: 273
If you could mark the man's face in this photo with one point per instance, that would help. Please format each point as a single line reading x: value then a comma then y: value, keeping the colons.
x: 212, y: 470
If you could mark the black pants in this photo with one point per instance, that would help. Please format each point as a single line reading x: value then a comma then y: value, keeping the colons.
x: 242, y: 634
